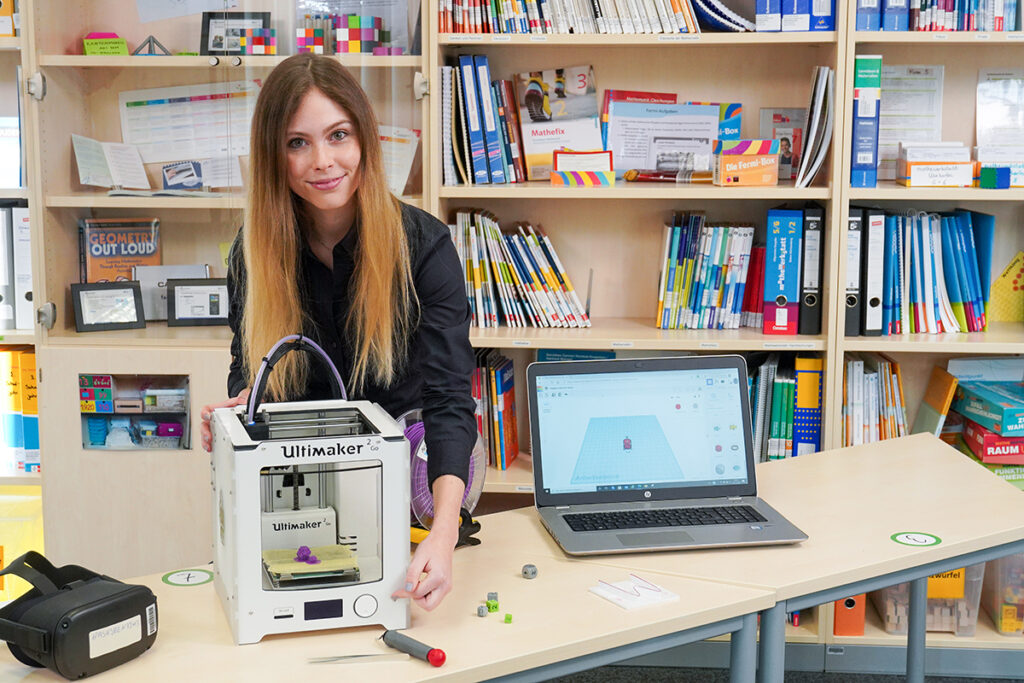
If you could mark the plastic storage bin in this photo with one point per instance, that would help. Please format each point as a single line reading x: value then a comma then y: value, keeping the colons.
x: 1002, y: 594
x: 21, y: 530
x: 958, y: 615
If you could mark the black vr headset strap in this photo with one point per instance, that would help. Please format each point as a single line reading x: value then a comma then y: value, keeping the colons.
x: 37, y: 570
x: 26, y: 637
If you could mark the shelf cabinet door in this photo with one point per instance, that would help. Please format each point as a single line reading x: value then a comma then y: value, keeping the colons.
x: 125, y: 512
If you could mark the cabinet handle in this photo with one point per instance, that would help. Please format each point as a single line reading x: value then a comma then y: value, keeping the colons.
x: 236, y: 61
x: 214, y: 61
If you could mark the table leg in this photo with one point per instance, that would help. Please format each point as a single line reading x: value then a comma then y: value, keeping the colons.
x: 743, y: 651
x: 916, y: 627
x: 772, y: 650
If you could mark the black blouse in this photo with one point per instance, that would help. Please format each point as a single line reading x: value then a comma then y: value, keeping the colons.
x: 436, y: 375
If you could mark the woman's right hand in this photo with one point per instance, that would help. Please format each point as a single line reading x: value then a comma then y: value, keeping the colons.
x: 207, y: 413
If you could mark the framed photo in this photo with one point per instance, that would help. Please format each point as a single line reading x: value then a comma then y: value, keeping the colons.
x: 197, y: 301
x: 221, y: 30
x: 107, y: 306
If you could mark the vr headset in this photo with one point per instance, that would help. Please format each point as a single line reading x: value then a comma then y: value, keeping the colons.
x: 76, y: 622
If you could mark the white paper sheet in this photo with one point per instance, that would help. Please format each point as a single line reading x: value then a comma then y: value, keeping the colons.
x: 633, y: 593
x: 221, y: 172
x: 911, y: 111
x: 1000, y: 107
x: 154, y: 10
x: 125, y: 166
x: 203, y: 121
x: 92, y: 163
x: 398, y: 148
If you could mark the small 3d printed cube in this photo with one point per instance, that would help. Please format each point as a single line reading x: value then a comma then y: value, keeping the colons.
x: 493, y: 595
x: 529, y: 571
x: 995, y: 178
x: 508, y: 618
x: 481, y: 611
x: 492, y: 605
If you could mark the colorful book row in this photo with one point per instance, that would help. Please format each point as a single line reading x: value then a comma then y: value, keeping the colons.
x: 918, y: 272
x: 495, y: 394
x: 874, y: 405
x: 567, y: 16
x: 786, y: 405
x: 19, y: 412
x: 515, y: 277
x: 938, y: 15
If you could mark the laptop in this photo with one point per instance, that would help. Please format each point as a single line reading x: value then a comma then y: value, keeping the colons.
x: 652, y: 454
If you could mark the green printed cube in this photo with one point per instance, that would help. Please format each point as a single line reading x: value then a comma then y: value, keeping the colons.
x: 492, y: 605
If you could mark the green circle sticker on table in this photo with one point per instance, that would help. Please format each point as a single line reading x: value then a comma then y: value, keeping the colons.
x: 188, y: 577
x: 918, y: 539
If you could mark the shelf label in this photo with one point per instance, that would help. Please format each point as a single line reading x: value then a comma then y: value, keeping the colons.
x: 524, y: 489
x: 789, y: 345
x: 538, y: 39
x: 917, y: 539
x: 708, y: 345
x: 1016, y: 35
x: 520, y: 342
x: 622, y: 344
x: 982, y: 36
x: 501, y: 38
x: 940, y: 36
x: 461, y: 37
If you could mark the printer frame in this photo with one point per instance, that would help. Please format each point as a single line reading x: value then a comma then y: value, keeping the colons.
x: 254, y: 609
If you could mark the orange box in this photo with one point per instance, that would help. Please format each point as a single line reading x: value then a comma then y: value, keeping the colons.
x: 745, y: 169
x: 849, y: 616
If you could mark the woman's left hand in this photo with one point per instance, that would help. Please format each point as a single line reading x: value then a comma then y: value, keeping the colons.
x: 429, y: 578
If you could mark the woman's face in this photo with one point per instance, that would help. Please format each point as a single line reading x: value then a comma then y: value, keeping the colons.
x: 323, y: 154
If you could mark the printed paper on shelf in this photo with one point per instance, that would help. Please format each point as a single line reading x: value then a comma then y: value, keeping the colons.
x: 557, y: 110
x: 651, y: 135
x: 786, y: 126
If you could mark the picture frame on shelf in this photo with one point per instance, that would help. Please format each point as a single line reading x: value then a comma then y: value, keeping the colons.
x: 222, y: 30
x: 197, y: 302
x: 102, y: 306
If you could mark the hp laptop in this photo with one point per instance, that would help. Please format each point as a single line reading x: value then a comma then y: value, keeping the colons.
x: 654, y: 454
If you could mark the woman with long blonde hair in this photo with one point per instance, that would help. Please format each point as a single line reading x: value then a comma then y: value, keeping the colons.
x: 328, y: 251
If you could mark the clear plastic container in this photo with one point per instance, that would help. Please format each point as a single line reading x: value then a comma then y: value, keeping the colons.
x: 1003, y: 594
x: 955, y: 615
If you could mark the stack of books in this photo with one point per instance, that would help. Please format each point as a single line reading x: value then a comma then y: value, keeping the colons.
x: 938, y: 15
x: 495, y: 396
x: 785, y: 403
x: 514, y: 277
x: 568, y: 16
x: 874, y: 407
x: 918, y: 272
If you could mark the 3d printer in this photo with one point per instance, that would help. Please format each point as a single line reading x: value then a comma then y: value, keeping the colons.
x: 311, y: 511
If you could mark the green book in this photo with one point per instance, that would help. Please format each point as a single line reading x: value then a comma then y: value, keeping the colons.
x: 775, y: 431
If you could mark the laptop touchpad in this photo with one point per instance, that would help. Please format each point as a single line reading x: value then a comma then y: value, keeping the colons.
x: 655, y: 538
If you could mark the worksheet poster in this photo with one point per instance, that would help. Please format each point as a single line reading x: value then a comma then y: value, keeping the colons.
x: 204, y: 121
x: 1000, y: 107
x: 394, y: 13
x: 911, y: 111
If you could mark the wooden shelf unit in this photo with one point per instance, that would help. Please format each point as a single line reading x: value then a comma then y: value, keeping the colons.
x: 616, y: 238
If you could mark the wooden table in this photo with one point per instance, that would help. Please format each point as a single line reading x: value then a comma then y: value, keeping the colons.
x: 850, y: 502
x: 558, y: 627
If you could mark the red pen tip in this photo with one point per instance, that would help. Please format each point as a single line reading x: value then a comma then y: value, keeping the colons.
x: 436, y: 657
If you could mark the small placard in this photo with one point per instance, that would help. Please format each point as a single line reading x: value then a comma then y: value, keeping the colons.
x: 198, y: 301
x: 105, y: 46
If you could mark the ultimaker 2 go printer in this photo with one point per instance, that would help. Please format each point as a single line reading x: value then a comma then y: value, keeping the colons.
x: 311, y: 511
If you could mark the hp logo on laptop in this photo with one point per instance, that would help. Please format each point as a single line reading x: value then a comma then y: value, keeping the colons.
x: 647, y: 494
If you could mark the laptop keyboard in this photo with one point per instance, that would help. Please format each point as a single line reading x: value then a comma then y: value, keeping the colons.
x: 662, y: 517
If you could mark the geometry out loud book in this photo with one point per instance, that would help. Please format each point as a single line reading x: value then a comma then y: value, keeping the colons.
x: 557, y: 109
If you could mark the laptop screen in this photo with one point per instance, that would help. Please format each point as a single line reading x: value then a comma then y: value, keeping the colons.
x: 645, y: 430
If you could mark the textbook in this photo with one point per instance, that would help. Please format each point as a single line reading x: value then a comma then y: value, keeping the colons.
x: 991, y: 448
x: 110, y: 247
x: 557, y: 109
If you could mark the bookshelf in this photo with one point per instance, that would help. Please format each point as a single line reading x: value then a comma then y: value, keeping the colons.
x: 613, y: 232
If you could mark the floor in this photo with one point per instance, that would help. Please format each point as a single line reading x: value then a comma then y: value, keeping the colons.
x: 648, y: 674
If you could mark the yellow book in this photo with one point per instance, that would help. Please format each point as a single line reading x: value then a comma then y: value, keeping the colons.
x: 30, y: 410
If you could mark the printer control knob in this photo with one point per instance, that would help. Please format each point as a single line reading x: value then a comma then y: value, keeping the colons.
x: 365, y: 606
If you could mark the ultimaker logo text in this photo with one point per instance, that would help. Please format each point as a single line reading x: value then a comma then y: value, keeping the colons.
x: 318, y: 451
x: 291, y: 526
